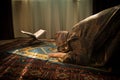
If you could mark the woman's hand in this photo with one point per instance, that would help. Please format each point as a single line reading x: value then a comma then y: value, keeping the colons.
x: 57, y: 55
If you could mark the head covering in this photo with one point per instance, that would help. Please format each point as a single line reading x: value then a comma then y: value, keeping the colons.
x: 94, y: 40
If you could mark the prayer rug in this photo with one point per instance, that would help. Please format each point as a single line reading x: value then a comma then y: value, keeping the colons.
x: 38, y: 51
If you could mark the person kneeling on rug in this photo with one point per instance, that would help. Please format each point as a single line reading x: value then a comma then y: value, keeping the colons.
x: 92, y: 41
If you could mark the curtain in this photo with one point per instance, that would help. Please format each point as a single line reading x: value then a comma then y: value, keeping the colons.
x: 51, y: 15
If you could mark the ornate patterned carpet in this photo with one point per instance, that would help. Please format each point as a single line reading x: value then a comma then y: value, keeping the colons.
x: 38, y: 51
x: 32, y: 63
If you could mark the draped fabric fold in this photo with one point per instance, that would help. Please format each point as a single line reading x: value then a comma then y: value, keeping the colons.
x: 95, y: 40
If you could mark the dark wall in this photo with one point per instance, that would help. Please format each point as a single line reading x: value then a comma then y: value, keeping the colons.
x: 99, y: 5
x: 6, y: 24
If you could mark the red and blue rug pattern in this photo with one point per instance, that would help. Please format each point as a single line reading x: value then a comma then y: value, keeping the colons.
x: 32, y: 63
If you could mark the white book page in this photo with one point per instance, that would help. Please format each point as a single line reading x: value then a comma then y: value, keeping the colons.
x: 35, y: 35
x: 25, y: 32
x: 39, y: 33
x: 28, y: 33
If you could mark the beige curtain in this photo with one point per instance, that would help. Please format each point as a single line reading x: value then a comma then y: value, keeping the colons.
x: 51, y: 15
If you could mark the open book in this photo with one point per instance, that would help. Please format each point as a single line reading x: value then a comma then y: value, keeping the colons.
x: 35, y: 35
